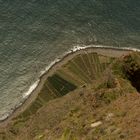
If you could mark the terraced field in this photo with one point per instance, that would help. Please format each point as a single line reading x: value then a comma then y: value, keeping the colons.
x: 101, y: 89
x: 80, y: 71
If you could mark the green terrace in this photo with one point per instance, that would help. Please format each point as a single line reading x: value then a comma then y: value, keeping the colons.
x: 80, y: 71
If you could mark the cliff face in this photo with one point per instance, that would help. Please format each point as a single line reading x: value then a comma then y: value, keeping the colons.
x: 131, y: 66
x: 102, y: 102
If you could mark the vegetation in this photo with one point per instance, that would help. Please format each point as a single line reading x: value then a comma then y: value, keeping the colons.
x: 99, y: 91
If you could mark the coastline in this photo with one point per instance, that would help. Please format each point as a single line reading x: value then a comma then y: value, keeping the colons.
x: 34, y: 91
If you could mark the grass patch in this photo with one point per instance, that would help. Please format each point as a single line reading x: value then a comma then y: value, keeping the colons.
x: 61, y: 85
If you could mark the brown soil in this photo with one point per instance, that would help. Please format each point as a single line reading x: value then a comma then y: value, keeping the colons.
x: 112, y: 100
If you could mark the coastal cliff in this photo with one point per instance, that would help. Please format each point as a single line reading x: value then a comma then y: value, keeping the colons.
x: 87, y: 96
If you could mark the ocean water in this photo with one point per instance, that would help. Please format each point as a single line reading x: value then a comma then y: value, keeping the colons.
x: 33, y: 33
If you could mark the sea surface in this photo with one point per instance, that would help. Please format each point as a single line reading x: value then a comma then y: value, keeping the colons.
x: 33, y: 33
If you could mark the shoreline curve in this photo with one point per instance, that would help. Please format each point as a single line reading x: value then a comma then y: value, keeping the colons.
x: 34, y: 89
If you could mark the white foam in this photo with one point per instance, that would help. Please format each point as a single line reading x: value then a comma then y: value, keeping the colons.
x: 30, y: 90
x: 4, y: 116
x: 49, y: 66
x: 76, y: 48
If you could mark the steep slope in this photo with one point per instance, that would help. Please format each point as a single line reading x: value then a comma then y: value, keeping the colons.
x: 82, y: 70
x: 100, y: 102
